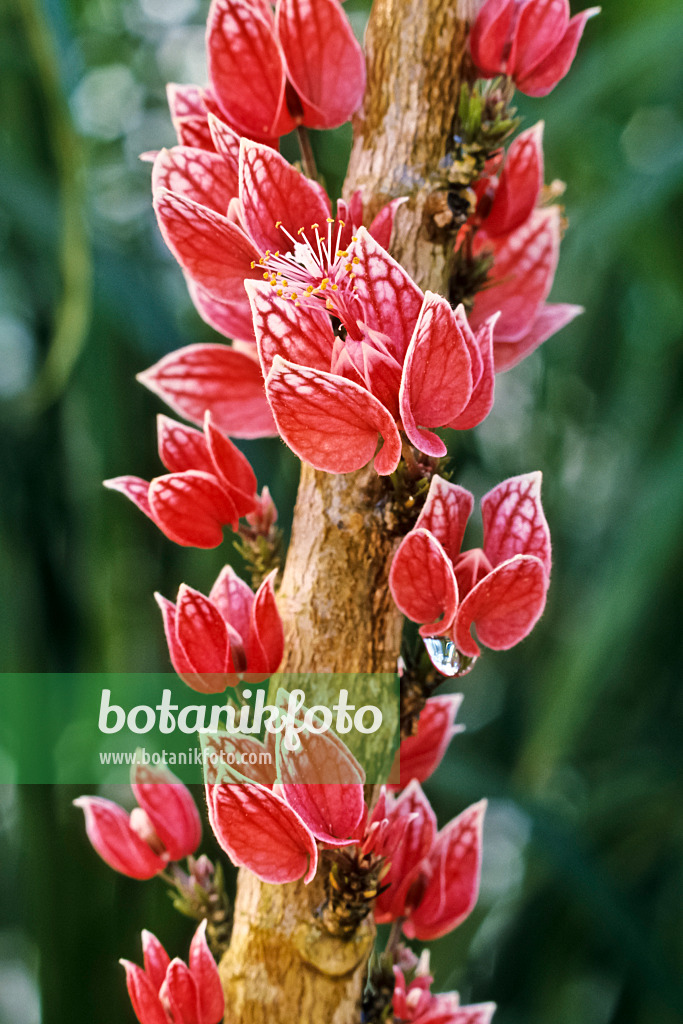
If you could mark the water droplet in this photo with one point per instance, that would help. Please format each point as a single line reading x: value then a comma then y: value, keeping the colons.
x: 446, y: 657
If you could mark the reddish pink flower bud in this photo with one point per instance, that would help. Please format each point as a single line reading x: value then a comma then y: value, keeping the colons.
x: 510, y: 199
x: 210, y: 485
x: 433, y: 880
x: 500, y: 589
x: 414, y: 1004
x: 421, y: 754
x: 532, y: 41
x: 169, y: 992
x: 214, y: 640
x: 164, y: 827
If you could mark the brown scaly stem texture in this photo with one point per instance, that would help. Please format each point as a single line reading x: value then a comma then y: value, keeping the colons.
x: 282, y: 966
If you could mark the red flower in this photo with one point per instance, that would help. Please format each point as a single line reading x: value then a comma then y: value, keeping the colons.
x: 210, y: 485
x: 532, y: 41
x: 500, y: 589
x: 433, y: 881
x: 508, y: 200
x: 169, y: 992
x: 272, y: 820
x: 421, y: 754
x: 413, y: 1003
x: 165, y: 826
x: 214, y: 640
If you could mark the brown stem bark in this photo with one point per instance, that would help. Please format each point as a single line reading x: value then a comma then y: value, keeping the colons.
x: 282, y: 967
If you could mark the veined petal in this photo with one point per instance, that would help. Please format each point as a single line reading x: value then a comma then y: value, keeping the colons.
x: 550, y: 318
x: 423, y: 584
x: 514, y: 521
x: 227, y: 143
x: 301, y: 334
x: 453, y: 887
x: 234, y: 600
x: 110, y: 832
x: 329, y: 421
x: 215, y: 252
x: 265, y: 639
x: 205, y: 973
x: 179, y: 994
x: 540, y: 26
x: 192, y: 508
x: 481, y: 399
x: 274, y: 193
x: 143, y: 996
x: 421, y: 754
x: 491, y: 31
x: 181, y: 447
x: 170, y: 807
x: 437, y: 376
x: 232, y: 468
x: 185, y: 101
x: 445, y: 514
x: 204, y: 177
x: 231, y: 318
x: 194, y: 132
x: 390, y: 298
x: 325, y: 64
x: 383, y: 224
x: 414, y: 848
x: 201, y: 631
x: 135, y: 489
x: 246, y: 68
x: 504, y: 606
x: 179, y: 658
x: 520, y: 183
x: 260, y: 831
x: 156, y: 959
x: 541, y: 79
x: 229, y: 383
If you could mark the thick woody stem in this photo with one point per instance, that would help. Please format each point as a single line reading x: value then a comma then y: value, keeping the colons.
x: 282, y: 965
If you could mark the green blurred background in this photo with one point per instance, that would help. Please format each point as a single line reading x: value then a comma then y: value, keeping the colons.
x: 576, y: 735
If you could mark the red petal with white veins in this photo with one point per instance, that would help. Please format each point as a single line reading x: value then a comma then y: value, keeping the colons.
x: 135, y: 489
x: 234, y: 599
x: 325, y: 64
x: 520, y: 182
x: 194, y: 132
x: 109, y: 830
x: 550, y: 319
x: 179, y: 994
x: 423, y: 584
x: 478, y: 1013
x: 540, y: 27
x: 505, y: 606
x: 170, y: 807
x: 176, y: 651
x: 491, y: 31
x: 391, y: 300
x: 181, y: 447
x: 185, y: 101
x: 301, y: 334
x: 265, y: 639
x: 333, y: 808
x: 226, y: 750
x: 216, y: 253
x: 215, y: 377
x: 421, y: 754
x: 227, y: 143
x: 143, y: 995
x: 232, y: 468
x: 383, y: 224
x: 272, y: 192
x: 205, y: 973
x: 246, y: 68
x: 196, y: 174
x: 481, y: 401
x: 445, y: 514
x: 437, y: 376
x: 259, y: 830
x: 330, y: 422
x: 514, y: 521
x: 523, y: 271
x: 156, y: 959
x: 453, y: 887
x: 232, y: 319
x: 201, y: 631
x: 545, y: 76
x: 417, y: 842
x: 192, y: 508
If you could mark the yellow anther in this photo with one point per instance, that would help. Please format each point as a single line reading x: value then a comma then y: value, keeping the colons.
x: 300, y: 231
x: 354, y: 238
x: 330, y: 220
x: 343, y: 252
x: 342, y: 223
x: 293, y: 295
x: 278, y: 223
x: 335, y: 287
x: 328, y: 305
x: 355, y: 260
x: 252, y: 264
x: 314, y: 227
x: 266, y: 275
x: 279, y: 293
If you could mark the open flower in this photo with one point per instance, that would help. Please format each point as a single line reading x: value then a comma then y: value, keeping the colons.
x: 214, y: 640
x: 414, y: 1003
x: 210, y: 485
x: 433, y: 881
x: 272, y: 819
x: 170, y: 992
x: 165, y: 826
x: 500, y: 589
x: 532, y: 41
